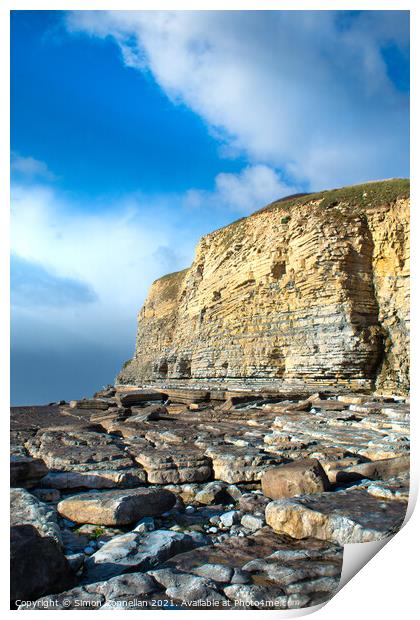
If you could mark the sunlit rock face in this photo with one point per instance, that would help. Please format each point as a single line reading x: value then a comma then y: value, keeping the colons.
x: 313, y: 289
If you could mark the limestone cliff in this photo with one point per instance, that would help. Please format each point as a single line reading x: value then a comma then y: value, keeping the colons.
x: 313, y: 288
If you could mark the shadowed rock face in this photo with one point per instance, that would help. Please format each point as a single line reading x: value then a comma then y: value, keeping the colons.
x: 37, y: 565
x: 313, y: 289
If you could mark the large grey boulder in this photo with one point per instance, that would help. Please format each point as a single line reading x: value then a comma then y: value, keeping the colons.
x: 136, y: 552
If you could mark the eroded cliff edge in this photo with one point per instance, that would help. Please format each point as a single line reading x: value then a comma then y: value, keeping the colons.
x: 313, y: 289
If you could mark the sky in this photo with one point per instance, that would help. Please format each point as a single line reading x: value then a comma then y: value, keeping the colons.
x: 133, y: 133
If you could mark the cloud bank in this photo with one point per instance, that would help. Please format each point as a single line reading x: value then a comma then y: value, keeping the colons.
x: 308, y: 92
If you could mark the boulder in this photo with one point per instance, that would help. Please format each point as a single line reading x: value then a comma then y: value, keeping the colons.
x: 37, y: 565
x: 297, y: 478
x: 26, y: 509
x: 116, y: 507
x: 342, y: 517
x: 26, y: 471
x: 137, y: 552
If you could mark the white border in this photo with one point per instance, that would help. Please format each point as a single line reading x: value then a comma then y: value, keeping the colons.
x: 387, y: 585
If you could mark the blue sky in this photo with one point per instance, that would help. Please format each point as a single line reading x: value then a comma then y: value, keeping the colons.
x: 134, y: 133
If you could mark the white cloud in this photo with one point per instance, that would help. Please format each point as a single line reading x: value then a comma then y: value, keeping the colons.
x: 244, y: 192
x: 30, y: 168
x: 298, y: 90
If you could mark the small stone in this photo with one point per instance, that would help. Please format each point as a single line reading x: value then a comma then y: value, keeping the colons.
x: 253, y: 522
x: 217, y: 572
x: 89, y: 550
x: 212, y: 530
x: 190, y: 510
x: 230, y: 518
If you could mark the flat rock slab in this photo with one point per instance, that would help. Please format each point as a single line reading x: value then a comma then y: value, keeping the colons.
x: 136, y: 552
x: 139, y: 397
x: 343, y: 517
x: 93, y: 403
x: 297, y: 478
x: 26, y: 509
x: 105, y: 479
x: 116, y: 507
x: 374, y: 470
x: 175, y: 465
x: 237, y: 552
x: 188, y: 396
x: 79, y: 450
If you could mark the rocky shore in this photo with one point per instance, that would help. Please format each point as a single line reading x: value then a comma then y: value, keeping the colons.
x: 192, y: 498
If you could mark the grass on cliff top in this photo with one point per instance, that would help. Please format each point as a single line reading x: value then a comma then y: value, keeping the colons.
x: 372, y: 194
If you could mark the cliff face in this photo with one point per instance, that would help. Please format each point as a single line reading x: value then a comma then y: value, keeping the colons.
x: 311, y: 289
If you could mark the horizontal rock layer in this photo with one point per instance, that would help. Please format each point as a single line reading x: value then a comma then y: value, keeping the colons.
x: 313, y: 289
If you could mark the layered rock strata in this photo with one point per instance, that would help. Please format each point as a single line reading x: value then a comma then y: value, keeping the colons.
x: 312, y: 289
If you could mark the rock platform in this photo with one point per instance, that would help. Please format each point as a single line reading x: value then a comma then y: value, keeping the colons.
x: 154, y: 498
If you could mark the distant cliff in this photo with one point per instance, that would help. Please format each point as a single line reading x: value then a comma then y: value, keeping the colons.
x: 314, y: 288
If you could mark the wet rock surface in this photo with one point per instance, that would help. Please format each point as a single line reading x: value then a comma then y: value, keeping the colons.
x: 158, y: 504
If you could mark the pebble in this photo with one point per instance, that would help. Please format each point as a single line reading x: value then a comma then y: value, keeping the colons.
x: 89, y: 550
x: 230, y: 518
